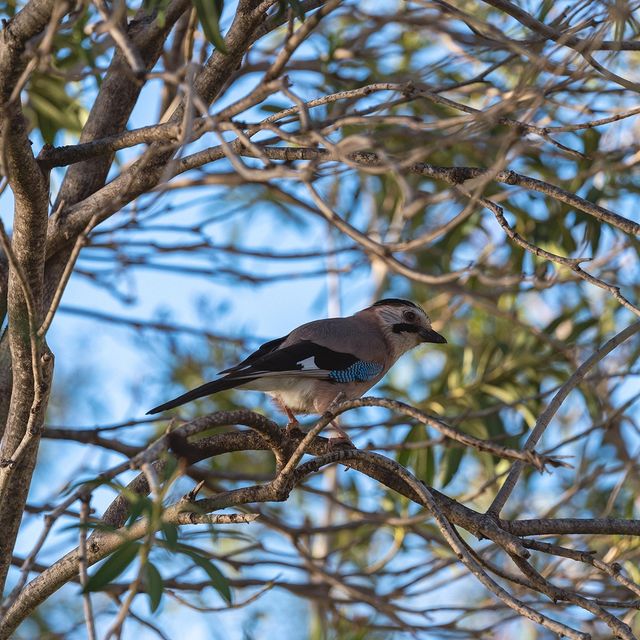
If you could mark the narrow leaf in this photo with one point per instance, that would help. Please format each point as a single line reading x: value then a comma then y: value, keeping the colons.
x: 452, y: 459
x: 218, y: 581
x: 209, y: 12
x: 154, y: 585
x: 113, y: 566
x: 424, y: 465
x: 170, y: 535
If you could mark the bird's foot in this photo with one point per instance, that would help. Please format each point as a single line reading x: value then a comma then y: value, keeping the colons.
x: 292, y: 425
x: 340, y: 442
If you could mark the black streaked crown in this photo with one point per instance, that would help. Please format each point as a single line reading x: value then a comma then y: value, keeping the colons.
x: 395, y: 302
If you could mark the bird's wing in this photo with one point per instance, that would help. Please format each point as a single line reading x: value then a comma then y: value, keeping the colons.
x: 310, y: 360
x: 304, y: 359
x: 262, y: 350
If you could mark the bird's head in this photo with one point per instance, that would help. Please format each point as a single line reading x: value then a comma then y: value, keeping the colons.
x: 404, y: 324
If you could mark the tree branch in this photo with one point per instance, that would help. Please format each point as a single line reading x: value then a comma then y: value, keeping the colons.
x: 552, y: 408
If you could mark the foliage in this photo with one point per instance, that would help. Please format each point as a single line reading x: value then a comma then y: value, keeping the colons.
x: 271, y: 161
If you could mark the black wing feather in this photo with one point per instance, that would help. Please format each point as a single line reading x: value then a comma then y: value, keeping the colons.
x: 268, y: 358
x: 262, y: 350
x: 289, y: 358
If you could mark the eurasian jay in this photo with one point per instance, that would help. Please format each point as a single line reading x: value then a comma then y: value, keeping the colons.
x: 306, y: 369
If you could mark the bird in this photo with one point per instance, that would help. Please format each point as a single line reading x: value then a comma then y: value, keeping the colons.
x: 305, y: 370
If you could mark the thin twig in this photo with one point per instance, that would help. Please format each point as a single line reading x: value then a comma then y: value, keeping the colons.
x: 552, y: 408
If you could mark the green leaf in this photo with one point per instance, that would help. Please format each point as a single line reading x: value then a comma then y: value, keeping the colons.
x: 544, y: 9
x: 218, y: 581
x: 272, y: 108
x: 209, y: 12
x: 425, y: 466
x: 405, y: 454
x: 113, y: 566
x: 51, y: 109
x: 451, y: 462
x: 154, y: 584
x: 9, y: 8
x: 170, y: 535
x: 422, y: 460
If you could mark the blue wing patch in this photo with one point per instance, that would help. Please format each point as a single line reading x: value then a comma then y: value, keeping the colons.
x: 361, y: 371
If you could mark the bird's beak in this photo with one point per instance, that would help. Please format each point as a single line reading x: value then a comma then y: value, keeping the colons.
x: 429, y: 335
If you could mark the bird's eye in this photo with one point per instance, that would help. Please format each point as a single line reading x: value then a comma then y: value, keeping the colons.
x: 410, y: 316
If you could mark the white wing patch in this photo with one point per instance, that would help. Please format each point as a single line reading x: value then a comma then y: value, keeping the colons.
x: 308, y: 364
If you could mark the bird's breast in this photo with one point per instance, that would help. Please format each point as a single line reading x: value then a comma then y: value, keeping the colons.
x: 315, y: 396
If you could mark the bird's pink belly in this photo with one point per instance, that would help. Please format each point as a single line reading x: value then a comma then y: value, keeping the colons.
x: 315, y: 397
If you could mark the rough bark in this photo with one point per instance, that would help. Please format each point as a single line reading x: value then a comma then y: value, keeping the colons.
x: 25, y: 279
x: 13, y: 42
x: 30, y: 189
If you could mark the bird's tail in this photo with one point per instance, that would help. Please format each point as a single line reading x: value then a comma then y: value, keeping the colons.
x: 203, y: 390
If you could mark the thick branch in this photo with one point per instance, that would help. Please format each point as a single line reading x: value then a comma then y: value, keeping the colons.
x: 101, y: 544
x: 21, y: 426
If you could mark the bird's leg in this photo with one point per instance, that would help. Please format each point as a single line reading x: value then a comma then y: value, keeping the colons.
x: 342, y: 440
x: 293, y: 421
